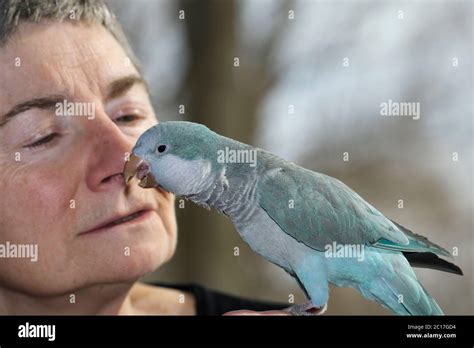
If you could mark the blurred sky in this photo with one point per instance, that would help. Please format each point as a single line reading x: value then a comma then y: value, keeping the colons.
x: 397, y: 50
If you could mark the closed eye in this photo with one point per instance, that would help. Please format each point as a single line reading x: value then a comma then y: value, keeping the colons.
x: 43, y: 141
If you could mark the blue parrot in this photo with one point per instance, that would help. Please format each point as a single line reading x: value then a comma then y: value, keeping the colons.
x: 312, y: 225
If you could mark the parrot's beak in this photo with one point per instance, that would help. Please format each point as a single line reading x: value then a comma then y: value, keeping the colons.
x: 137, y: 166
x: 131, y: 168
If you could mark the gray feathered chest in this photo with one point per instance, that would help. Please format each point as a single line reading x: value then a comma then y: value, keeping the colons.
x: 231, y: 191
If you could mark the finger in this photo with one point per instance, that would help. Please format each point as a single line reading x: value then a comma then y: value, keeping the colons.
x: 248, y: 312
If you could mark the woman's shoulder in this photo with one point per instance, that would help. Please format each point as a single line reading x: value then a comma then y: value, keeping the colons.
x: 190, y: 299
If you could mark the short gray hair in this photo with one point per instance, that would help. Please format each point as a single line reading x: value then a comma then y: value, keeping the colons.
x: 13, y: 12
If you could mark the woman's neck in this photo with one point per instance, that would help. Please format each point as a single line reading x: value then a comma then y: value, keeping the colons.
x: 108, y: 299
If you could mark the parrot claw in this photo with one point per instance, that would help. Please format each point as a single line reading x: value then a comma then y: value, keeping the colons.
x: 306, y: 309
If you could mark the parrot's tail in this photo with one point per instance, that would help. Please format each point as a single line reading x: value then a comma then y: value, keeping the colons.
x: 398, y: 289
x: 383, y: 293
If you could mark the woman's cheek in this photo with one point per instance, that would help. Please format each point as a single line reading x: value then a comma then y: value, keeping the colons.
x: 34, y: 211
x: 34, y: 197
x: 168, y: 216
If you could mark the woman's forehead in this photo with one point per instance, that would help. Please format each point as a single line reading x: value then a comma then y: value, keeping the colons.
x: 60, y: 58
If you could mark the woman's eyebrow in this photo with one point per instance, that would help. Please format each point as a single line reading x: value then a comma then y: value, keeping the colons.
x: 47, y: 102
x: 114, y: 90
x: 122, y: 85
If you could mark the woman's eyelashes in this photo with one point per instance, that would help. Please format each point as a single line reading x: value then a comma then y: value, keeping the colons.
x: 44, y: 141
x: 128, y: 119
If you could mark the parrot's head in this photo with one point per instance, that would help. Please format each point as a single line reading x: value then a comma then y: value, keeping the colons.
x: 176, y: 156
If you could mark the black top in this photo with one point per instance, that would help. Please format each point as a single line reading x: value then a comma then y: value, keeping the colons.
x: 211, y: 302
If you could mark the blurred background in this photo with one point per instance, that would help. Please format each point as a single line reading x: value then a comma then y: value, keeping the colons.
x: 305, y: 80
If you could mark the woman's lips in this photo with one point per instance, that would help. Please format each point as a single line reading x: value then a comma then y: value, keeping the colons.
x: 130, y: 219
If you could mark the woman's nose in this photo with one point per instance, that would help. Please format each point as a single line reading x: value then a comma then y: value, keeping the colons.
x: 110, y: 149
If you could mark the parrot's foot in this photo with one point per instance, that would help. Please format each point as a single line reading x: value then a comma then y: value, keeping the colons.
x: 306, y: 309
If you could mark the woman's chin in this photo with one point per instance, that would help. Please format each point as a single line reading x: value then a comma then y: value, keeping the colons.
x: 129, y: 251
x: 140, y: 266
x: 108, y: 257
x: 143, y: 259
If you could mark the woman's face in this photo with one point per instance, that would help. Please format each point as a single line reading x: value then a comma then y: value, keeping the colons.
x: 60, y: 175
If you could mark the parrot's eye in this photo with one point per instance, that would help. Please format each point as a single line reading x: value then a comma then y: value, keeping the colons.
x: 161, y: 148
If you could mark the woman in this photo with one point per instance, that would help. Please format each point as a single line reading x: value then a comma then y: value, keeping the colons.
x: 72, y: 105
